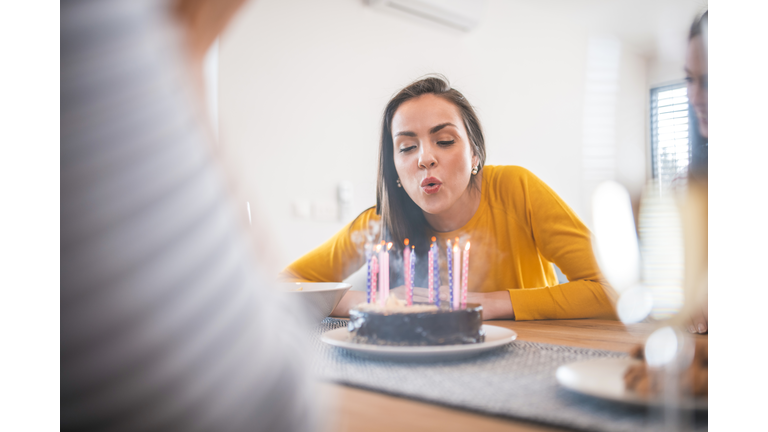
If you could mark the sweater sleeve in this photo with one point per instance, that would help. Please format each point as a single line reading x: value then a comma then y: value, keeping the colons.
x: 337, y: 258
x: 562, y: 238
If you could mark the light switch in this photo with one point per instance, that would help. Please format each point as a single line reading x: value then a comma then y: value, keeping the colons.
x: 345, y: 195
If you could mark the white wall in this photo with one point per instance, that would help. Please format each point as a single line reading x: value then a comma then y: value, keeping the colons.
x: 303, y: 84
x: 211, y: 83
x: 666, y: 60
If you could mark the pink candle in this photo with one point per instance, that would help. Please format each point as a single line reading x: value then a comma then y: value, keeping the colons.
x: 456, y: 274
x: 374, y: 274
x: 465, y: 277
x: 449, y: 267
x: 407, y: 271
x: 411, y: 274
x: 430, y: 273
x: 384, y: 273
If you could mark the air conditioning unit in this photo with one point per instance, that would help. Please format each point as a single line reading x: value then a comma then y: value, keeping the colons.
x: 459, y: 14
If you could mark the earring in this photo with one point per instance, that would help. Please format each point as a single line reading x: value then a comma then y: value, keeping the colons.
x: 474, y: 170
x: 398, y: 183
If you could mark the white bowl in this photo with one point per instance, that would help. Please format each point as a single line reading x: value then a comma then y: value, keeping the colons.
x: 318, y: 299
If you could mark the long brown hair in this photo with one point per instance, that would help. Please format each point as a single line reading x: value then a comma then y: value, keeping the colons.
x: 698, y: 168
x: 401, y: 217
x: 698, y: 25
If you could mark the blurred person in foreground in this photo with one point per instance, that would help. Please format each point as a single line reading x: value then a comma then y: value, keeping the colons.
x: 165, y: 320
x: 695, y: 211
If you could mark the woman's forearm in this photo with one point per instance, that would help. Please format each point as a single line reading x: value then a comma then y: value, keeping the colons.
x: 496, y: 305
x: 350, y: 300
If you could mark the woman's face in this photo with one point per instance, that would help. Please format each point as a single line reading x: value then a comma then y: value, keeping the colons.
x: 696, y: 75
x: 433, y: 155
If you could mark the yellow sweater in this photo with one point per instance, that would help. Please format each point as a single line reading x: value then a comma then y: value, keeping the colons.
x: 519, y: 230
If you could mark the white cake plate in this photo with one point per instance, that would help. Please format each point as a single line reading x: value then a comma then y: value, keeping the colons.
x: 495, y: 337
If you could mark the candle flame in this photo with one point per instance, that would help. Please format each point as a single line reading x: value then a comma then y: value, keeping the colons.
x: 467, y: 246
x: 413, y: 247
x: 434, y: 238
x: 406, y: 242
x: 389, y: 246
x: 378, y: 248
x: 448, y: 242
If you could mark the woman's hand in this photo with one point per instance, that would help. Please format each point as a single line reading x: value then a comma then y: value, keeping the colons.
x: 420, y: 295
x: 496, y: 305
x: 699, y: 320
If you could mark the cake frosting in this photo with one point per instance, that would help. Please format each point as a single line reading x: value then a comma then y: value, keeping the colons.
x: 395, y: 323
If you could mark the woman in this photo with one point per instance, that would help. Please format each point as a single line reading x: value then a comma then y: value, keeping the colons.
x: 697, y: 76
x: 432, y: 182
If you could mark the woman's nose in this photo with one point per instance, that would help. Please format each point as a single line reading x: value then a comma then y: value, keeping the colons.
x: 696, y: 94
x: 427, y: 159
x: 693, y: 91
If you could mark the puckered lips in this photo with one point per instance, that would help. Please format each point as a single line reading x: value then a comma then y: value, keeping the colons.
x: 431, y: 185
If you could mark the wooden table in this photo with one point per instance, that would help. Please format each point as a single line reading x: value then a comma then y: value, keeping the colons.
x: 351, y: 409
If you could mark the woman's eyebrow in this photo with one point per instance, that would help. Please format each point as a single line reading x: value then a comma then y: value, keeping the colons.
x: 431, y: 131
x: 405, y: 133
x: 439, y: 127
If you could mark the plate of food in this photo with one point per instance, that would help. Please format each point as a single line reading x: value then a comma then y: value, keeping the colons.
x: 629, y: 380
x: 417, y: 332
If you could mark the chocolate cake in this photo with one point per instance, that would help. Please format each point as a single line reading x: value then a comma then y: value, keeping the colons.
x: 420, y: 324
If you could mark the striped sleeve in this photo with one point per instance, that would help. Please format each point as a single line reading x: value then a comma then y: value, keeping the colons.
x: 164, y: 317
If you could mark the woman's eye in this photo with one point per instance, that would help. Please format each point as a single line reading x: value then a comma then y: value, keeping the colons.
x: 446, y: 143
x: 407, y: 149
x: 688, y: 79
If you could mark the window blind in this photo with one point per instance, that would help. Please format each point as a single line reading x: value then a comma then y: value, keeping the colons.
x: 670, y: 144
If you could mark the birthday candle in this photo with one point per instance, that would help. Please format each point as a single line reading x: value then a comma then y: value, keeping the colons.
x: 374, y: 279
x: 407, y: 270
x: 449, y: 254
x: 368, y: 259
x: 383, y: 264
x: 382, y: 279
x: 465, y: 277
x: 431, y: 272
x: 456, y: 274
x: 436, y: 267
x: 385, y: 273
x: 411, y: 274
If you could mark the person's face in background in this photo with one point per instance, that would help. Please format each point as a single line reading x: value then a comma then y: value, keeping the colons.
x: 433, y: 156
x: 697, y: 78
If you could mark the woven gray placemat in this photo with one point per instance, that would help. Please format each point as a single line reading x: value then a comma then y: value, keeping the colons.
x: 517, y: 381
